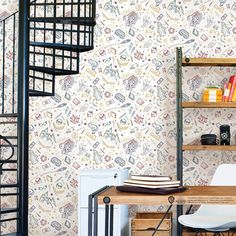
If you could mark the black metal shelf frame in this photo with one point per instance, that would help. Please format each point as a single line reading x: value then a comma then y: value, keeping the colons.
x: 179, y: 131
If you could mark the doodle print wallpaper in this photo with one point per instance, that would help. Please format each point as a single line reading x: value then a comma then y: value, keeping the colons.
x: 120, y: 111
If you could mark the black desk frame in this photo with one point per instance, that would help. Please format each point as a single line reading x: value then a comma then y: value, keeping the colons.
x: 109, y: 213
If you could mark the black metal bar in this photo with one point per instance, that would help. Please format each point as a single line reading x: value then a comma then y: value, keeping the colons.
x: 4, y: 169
x: 179, y: 129
x: 34, y: 55
x: 179, y: 115
x: 90, y: 215
x: 54, y: 39
x: 91, y: 228
x: 23, y: 119
x: 8, y: 122
x: 53, y: 71
x: 189, y: 209
x: 10, y: 210
x: 162, y: 219
x: 8, y: 194
x: 3, y: 65
x: 0, y: 189
x: 8, y: 161
x: 9, y: 16
x: 47, y: 54
x: 8, y: 115
x: 63, y: 35
x: 95, y: 233
x: 111, y: 219
x: 106, y: 219
x: 13, y: 63
x: 10, y: 219
x: 9, y: 185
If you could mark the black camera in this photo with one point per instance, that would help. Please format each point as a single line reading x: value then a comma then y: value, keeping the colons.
x: 224, y: 135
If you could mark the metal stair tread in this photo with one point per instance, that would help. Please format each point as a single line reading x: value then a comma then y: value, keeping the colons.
x: 4, y: 169
x: 53, y: 71
x: 76, y: 48
x: 33, y: 93
x: 9, y: 185
x: 8, y: 161
x: 11, y: 234
x: 65, y: 20
x: 9, y: 115
x: 8, y: 194
x: 8, y: 210
x: 9, y: 137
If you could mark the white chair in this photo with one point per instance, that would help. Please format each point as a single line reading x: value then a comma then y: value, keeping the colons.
x: 215, y: 218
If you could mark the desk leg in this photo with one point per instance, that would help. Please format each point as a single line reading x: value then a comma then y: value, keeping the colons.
x: 93, y: 212
x: 109, y: 208
x: 109, y: 215
x: 95, y: 216
x: 179, y: 226
x: 164, y: 216
x: 106, y: 219
x: 111, y: 219
x: 90, y: 215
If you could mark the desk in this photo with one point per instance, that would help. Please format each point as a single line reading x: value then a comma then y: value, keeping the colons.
x: 109, y: 197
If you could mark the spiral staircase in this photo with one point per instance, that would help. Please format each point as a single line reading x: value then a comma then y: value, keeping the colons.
x: 37, y: 44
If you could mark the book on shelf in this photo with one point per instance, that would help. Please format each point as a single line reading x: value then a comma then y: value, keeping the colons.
x: 212, y: 91
x: 234, y: 96
x: 151, y: 177
x: 232, y: 81
x: 227, y: 88
x: 212, y: 94
x: 152, y: 186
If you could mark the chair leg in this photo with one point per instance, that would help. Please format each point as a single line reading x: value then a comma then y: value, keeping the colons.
x: 198, y: 232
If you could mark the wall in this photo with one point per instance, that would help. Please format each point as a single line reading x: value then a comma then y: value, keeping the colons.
x: 120, y: 110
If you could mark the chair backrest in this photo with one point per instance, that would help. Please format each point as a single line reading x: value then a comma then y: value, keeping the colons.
x: 225, y: 175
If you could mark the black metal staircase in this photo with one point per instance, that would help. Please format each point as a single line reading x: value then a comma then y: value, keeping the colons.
x: 59, y: 31
x: 42, y: 41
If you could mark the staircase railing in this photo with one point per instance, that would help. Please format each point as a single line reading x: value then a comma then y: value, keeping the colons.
x: 40, y: 42
x: 9, y: 184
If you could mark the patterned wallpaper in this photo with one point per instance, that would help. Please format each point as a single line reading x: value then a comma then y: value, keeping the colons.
x: 120, y: 111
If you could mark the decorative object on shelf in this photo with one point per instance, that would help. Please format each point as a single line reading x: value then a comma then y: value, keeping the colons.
x: 224, y: 135
x: 212, y: 94
x: 229, y: 90
x: 209, y: 139
x: 232, y: 81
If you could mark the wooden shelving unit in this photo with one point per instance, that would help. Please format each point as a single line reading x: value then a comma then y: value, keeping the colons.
x: 209, y: 104
x: 208, y: 148
x: 181, y: 105
x: 209, y: 62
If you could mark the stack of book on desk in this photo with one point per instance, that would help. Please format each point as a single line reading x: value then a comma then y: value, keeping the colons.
x: 151, y: 181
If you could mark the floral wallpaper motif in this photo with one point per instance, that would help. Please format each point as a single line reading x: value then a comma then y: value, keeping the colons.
x: 120, y: 111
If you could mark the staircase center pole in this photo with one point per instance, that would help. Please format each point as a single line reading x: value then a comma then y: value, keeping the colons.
x: 23, y: 116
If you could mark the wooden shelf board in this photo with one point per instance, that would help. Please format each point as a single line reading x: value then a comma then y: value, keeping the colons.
x: 209, y: 147
x: 209, y: 62
x: 209, y: 104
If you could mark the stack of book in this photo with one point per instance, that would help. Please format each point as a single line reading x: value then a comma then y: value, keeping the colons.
x: 151, y: 181
x: 229, y: 90
x: 212, y: 94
